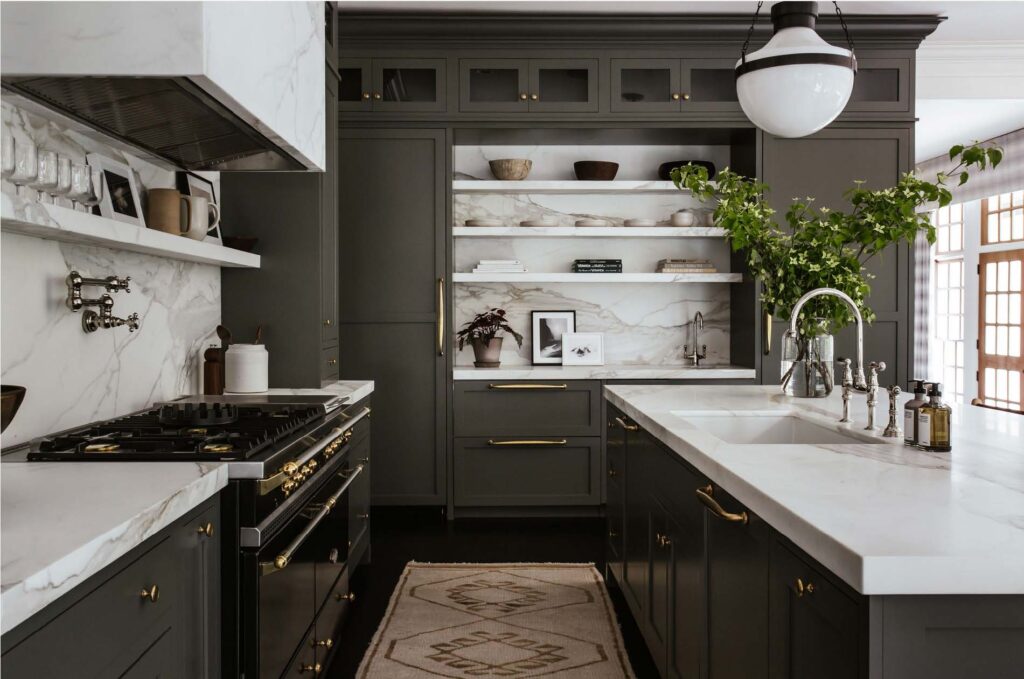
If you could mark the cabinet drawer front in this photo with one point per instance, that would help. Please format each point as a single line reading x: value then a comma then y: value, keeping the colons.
x: 506, y: 472
x: 528, y: 408
x: 329, y: 363
x: 332, y: 616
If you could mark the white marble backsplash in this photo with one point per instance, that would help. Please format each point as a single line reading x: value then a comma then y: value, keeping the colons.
x: 72, y: 377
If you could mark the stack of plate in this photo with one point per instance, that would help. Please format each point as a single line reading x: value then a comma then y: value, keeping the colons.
x: 543, y: 221
x: 639, y: 222
x: 483, y: 222
x: 592, y: 222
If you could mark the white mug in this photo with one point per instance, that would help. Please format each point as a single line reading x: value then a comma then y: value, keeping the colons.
x: 195, y: 221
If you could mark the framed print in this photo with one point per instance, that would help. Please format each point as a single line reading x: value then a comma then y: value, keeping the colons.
x: 120, y: 191
x: 191, y: 184
x: 583, y: 348
x: 548, y: 329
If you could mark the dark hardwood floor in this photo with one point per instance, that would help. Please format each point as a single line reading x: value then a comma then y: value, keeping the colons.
x: 401, y: 535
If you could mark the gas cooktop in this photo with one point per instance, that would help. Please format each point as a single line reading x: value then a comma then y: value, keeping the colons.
x: 194, y: 429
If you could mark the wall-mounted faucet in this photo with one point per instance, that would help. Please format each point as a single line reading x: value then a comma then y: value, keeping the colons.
x: 695, y: 356
x: 104, y: 318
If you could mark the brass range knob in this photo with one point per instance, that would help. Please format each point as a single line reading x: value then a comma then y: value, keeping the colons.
x: 289, y: 486
x: 323, y: 643
x: 206, y: 529
x: 315, y: 668
x: 152, y: 594
x: 351, y: 596
x: 523, y: 96
x: 366, y: 96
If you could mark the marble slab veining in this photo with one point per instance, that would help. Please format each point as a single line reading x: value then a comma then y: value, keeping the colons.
x: 886, y: 518
x: 62, y: 523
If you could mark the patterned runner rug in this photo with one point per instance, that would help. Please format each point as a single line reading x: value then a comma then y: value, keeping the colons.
x: 515, y: 620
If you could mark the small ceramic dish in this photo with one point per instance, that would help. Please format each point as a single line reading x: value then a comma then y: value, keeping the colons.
x: 639, y: 222
x: 592, y: 222
x: 538, y: 222
x: 483, y: 222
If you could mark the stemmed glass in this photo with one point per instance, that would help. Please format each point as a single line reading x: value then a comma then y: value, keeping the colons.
x: 80, y: 189
x: 26, y: 166
x: 95, y: 188
x: 7, y: 154
x: 46, y: 176
x: 63, y: 182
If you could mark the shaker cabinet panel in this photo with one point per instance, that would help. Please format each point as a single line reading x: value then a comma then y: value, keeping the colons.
x: 355, y: 85
x: 563, y: 85
x: 329, y: 221
x: 528, y: 408
x: 409, y: 85
x: 881, y: 85
x: 645, y: 85
x: 494, y: 85
x: 709, y: 85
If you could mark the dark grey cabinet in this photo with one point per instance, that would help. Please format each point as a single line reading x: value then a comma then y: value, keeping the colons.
x: 153, y: 612
x: 391, y: 197
x: 528, y: 85
x: 331, y: 34
x: 355, y: 85
x: 884, y: 84
x: 395, y: 85
x: 294, y: 295
x: 659, y: 85
x: 527, y: 408
x: 615, y: 490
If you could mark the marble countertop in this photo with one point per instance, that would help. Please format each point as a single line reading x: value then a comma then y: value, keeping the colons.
x: 887, y: 519
x: 604, y: 372
x: 62, y: 523
x: 355, y: 390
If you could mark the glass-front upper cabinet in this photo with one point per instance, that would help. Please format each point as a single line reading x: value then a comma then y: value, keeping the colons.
x: 544, y: 85
x: 668, y: 85
x: 881, y: 84
x: 392, y: 85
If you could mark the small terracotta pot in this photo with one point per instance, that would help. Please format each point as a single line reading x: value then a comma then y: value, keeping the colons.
x: 487, y: 354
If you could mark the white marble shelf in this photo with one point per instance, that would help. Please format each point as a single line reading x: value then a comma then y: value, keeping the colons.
x: 566, y: 186
x: 62, y: 224
x: 587, y: 232
x: 604, y: 372
x: 597, y: 278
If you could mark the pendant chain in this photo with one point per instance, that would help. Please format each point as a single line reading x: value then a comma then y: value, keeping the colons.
x: 842, y: 22
x: 750, y: 32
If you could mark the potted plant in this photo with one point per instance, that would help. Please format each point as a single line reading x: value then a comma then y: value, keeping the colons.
x: 482, y: 333
x: 823, y: 248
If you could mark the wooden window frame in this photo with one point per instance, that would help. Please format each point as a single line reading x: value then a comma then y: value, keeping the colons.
x: 1010, y: 363
x: 1017, y: 203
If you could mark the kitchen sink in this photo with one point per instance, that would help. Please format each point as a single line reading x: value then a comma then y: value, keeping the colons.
x: 769, y: 428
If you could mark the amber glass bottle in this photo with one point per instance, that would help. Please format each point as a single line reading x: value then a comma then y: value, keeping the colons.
x: 934, y: 421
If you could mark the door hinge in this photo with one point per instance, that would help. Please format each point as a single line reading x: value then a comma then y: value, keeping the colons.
x: 977, y: 344
x: 979, y: 269
x: 977, y: 376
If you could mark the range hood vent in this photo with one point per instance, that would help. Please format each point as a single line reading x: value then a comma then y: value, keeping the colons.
x: 169, y: 117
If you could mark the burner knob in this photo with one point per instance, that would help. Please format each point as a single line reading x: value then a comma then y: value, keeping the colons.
x: 312, y: 465
x: 289, y: 485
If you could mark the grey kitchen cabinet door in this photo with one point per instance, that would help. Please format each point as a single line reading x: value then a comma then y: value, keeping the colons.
x: 494, y: 85
x: 708, y: 85
x: 615, y: 493
x: 392, y: 198
x: 659, y: 597
x: 824, y: 166
x: 197, y: 540
x: 641, y: 454
x: 645, y: 85
x: 738, y: 556
x: 355, y: 85
x: 159, y: 660
x: 564, y: 85
x: 882, y: 85
x: 414, y: 85
x: 331, y: 33
x: 816, y: 628
x: 329, y: 222
x: 685, y: 532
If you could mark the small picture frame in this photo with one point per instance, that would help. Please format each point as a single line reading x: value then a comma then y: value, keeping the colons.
x: 191, y: 184
x: 548, y: 330
x: 120, y: 190
x: 583, y: 348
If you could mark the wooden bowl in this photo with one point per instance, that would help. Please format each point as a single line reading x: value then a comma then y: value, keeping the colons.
x: 511, y: 169
x: 10, y: 400
x: 595, y: 170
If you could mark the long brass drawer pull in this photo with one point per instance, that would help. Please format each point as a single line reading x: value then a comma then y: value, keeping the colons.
x: 704, y: 495
x: 440, y: 316
x: 528, y: 442
x: 626, y: 425
x: 528, y: 386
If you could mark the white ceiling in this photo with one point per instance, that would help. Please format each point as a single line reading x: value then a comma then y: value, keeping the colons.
x: 970, y: 70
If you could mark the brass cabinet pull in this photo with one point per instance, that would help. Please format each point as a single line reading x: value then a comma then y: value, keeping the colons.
x: 612, y: 473
x: 332, y: 361
x: 528, y: 386
x: 766, y: 332
x: 802, y: 589
x: 351, y: 596
x: 523, y: 96
x: 327, y: 322
x: 364, y: 517
x: 528, y: 442
x: 612, y: 534
x: 627, y: 426
x: 662, y: 540
x: 152, y: 594
x: 323, y: 643
x: 534, y: 97
x: 676, y: 96
x: 206, y: 529
x: 315, y: 668
x: 440, y: 316
x: 704, y: 495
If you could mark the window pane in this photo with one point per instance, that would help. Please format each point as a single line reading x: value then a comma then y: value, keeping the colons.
x: 1015, y: 342
x: 1018, y: 224
x: 956, y: 237
x: 956, y: 213
x: 1014, y: 309
x: 943, y: 243
x: 990, y: 383
x: 1005, y: 200
x: 955, y: 269
x: 993, y: 228
x: 1013, y: 387
x: 1004, y: 276
x: 1002, y: 341
x: 1004, y: 226
x: 990, y: 277
x: 990, y: 306
x: 1002, y: 309
x: 990, y: 340
x: 1015, y: 275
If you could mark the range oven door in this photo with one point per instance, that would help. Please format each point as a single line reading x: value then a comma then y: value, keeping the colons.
x: 288, y: 577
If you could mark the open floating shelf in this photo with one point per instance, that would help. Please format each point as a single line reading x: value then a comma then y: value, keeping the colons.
x: 587, y: 232
x: 52, y: 222
x: 559, y: 186
x: 597, y: 277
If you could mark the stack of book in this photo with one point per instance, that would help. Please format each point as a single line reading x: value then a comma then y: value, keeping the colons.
x: 686, y: 266
x: 597, y: 266
x: 500, y: 266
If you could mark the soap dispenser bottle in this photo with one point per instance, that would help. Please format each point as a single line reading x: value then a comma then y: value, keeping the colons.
x: 910, y: 411
x: 933, y: 422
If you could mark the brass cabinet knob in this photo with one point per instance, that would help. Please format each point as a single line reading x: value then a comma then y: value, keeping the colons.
x: 523, y: 96
x: 366, y: 95
x: 534, y: 97
x: 206, y: 529
x: 364, y: 517
x: 686, y: 96
x: 364, y: 460
x: 351, y: 596
x: 327, y: 322
x: 676, y: 96
x: 323, y: 643
x: 332, y: 361
x: 802, y: 588
x: 612, y: 534
x: 152, y: 594
x: 377, y: 96
x: 612, y: 473
x: 315, y: 668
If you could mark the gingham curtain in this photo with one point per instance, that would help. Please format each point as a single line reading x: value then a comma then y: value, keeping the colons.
x: 922, y: 301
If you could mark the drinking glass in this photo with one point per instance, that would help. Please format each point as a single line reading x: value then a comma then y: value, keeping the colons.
x: 26, y: 165
x: 60, y: 191
x: 80, y: 189
x: 7, y: 153
x: 46, y: 175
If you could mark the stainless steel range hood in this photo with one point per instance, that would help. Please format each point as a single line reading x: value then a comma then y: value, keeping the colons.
x: 169, y: 117
x: 198, y: 85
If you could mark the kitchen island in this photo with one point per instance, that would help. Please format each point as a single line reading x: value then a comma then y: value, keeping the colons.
x: 804, y: 547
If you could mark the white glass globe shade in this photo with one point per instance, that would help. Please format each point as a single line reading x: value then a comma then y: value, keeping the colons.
x: 795, y: 99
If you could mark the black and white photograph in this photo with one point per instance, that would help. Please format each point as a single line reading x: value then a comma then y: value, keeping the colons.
x: 548, y: 329
x: 583, y: 348
x: 121, y: 194
x: 192, y: 184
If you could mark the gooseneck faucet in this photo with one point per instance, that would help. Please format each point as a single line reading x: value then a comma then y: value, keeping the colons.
x: 696, y: 356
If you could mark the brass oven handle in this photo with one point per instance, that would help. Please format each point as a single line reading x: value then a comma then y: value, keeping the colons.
x: 528, y: 442
x: 282, y: 560
x: 528, y: 386
x: 704, y: 495
x: 625, y: 425
x: 440, y: 316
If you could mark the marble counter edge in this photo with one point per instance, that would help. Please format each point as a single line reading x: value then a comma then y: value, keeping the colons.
x: 355, y: 390
x: 602, y: 372
x: 23, y: 598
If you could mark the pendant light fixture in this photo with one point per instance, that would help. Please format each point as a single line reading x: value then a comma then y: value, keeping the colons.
x: 797, y: 83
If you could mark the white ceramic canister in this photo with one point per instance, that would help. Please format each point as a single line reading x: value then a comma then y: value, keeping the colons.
x: 246, y: 368
x: 684, y: 217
